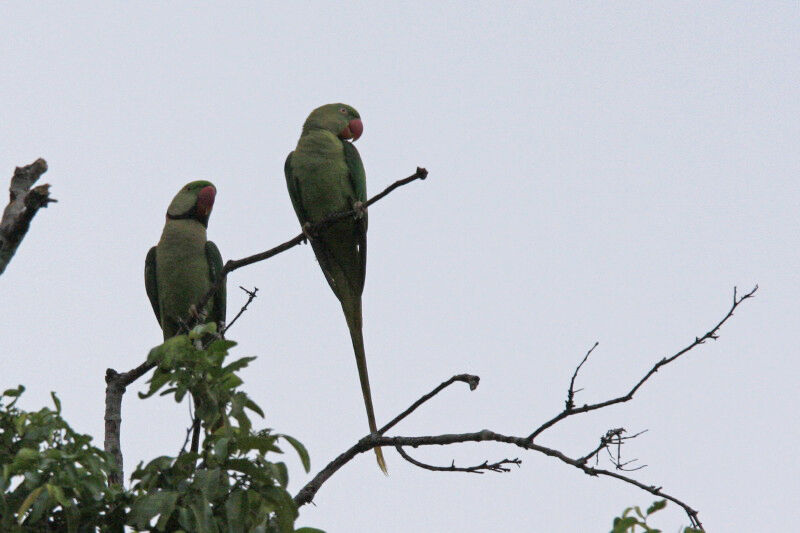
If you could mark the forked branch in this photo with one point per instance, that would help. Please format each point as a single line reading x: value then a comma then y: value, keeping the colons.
x: 25, y: 201
x: 711, y: 334
x: 612, y: 441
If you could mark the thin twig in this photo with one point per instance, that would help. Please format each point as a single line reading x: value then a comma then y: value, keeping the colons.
x: 499, y: 466
x: 570, y: 403
x: 711, y: 334
x: 604, y: 441
x: 188, y: 430
x: 251, y: 295
x: 195, y: 434
x: 469, y: 379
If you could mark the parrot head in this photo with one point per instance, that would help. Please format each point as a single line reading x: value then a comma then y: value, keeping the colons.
x: 340, y: 119
x: 194, y: 201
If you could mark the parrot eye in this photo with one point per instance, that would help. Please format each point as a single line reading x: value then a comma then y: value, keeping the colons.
x: 343, y: 110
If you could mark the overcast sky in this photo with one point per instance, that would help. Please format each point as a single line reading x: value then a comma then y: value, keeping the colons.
x: 601, y: 171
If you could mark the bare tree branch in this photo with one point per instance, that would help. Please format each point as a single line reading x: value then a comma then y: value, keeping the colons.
x: 710, y: 334
x: 613, y: 438
x: 251, y: 295
x: 570, y: 403
x: 469, y: 379
x: 499, y: 466
x: 23, y: 205
x: 115, y: 388
x: 307, y: 493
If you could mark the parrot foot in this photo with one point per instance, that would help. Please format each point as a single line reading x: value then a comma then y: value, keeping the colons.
x: 308, y: 232
x: 197, y: 315
x: 360, y: 209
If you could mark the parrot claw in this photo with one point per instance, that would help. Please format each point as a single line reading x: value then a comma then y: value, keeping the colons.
x: 360, y: 210
x: 309, y: 234
x: 194, y: 313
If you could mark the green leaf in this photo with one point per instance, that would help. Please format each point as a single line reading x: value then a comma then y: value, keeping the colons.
x: 236, y: 511
x: 203, y: 329
x: 221, y: 447
x: 286, y: 511
x: 11, y: 393
x: 56, y: 401
x: 245, y: 466
x: 221, y: 345
x: 202, y: 515
x: 281, y: 473
x: 253, y: 406
x: 657, y: 506
x: 27, y: 502
x: 158, y: 380
x: 57, y: 494
x: 262, y: 443
x: 238, y: 364
x: 231, y: 381
x: 301, y: 451
x: 24, y: 459
x: 146, y: 507
x: 621, y: 525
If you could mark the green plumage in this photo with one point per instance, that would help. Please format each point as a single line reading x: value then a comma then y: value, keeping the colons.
x: 182, y: 267
x: 324, y: 175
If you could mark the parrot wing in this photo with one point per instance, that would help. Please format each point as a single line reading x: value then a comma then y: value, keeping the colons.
x: 150, y: 283
x: 214, y: 270
x: 294, y: 190
x: 358, y: 179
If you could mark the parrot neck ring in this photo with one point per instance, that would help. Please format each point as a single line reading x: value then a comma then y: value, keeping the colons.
x: 191, y: 214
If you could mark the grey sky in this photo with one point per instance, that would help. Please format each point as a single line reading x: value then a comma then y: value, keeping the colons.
x: 599, y: 171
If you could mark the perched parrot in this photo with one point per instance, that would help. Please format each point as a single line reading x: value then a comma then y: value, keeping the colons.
x: 181, y: 268
x: 325, y: 175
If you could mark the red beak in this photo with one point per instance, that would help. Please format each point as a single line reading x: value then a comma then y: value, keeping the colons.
x: 205, y: 200
x: 353, y: 130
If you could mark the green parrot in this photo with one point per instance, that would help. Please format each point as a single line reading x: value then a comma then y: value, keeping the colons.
x: 182, y: 267
x: 325, y: 175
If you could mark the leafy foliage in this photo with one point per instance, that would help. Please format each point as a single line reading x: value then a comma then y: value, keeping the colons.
x: 53, y: 479
x: 228, y: 484
x: 632, y: 519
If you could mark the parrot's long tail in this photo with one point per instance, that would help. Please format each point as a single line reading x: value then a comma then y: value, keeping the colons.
x: 352, y: 312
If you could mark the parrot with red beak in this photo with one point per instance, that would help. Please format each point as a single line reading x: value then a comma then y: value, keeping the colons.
x: 184, y: 265
x: 324, y: 175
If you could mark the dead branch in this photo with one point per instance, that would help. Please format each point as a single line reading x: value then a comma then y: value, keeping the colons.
x: 115, y: 388
x: 570, y: 403
x: 499, y: 466
x: 612, y: 439
x: 469, y: 379
x: 307, y: 493
x: 23, y: 205
x: 710, y: 334
x: 251, y: 295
